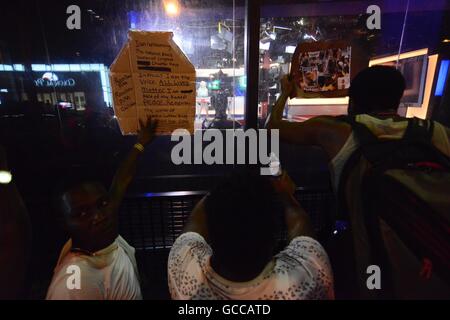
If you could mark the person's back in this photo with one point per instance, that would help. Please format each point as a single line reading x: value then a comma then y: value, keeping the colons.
x: 359, y: 199
x: 375, y: 95
x: 383, y: 127
x: 228, y: 250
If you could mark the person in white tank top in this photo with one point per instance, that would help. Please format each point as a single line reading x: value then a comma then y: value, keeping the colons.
x: 375, y: 95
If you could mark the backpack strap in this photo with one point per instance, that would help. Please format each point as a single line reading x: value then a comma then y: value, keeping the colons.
x: 363, y: 134
x: 364, y: 137
x: 419, y: 130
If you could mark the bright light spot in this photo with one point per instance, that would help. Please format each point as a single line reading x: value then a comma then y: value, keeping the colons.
x: 5, y: 177
x: 308, y: 36
x: 50, y: 76
x: 171, y: 7
x: 335, y: 232
x: 290, y: 49
x: 264, y: 46
x: 177, y: 40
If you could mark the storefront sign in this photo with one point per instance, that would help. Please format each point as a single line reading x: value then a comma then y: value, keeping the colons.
x: 51, y: 80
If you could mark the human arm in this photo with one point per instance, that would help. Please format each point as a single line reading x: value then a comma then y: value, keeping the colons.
x: 297, y: 221
x: 197, y: 220
x: 127, y: 169
x: 323, y: 131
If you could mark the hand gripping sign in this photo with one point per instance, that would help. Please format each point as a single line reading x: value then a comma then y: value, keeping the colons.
x: 151, y: 76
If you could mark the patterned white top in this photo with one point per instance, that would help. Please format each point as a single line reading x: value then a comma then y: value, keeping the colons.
x: 301, y: 271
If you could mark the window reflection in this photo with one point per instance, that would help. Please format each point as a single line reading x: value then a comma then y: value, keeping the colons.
x: 67, y: 70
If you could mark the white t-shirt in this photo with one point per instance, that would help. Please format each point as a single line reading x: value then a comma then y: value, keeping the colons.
x: 109, y: 274
x: 301, y: 271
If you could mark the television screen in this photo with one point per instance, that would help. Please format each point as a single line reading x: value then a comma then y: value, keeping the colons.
x: 414, y: 71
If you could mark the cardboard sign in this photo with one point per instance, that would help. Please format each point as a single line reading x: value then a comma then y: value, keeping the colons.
x: 151, y: 76
x: 325, y: 69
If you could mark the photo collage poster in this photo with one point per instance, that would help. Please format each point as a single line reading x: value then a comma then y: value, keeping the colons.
x: 322, y: 69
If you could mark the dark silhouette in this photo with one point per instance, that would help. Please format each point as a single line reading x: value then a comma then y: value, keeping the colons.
x: 233, y: 232
x: 15, y: 239
x: 372, y: 120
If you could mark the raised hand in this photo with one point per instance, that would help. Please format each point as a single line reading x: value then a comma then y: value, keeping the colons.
x: 146, y: 132
x: 287, y: 85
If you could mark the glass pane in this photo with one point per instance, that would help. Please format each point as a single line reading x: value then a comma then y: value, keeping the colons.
x: 58, y: 120
x: 214, y: 43
x: 64, y: 72
x: 421, y: 50
x: 286, y: 25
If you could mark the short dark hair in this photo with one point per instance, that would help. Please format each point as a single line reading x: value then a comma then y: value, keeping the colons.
x: 243, y: 216
x: 378, y: 88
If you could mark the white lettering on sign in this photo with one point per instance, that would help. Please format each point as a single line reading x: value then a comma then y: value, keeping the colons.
x: 52, y: 83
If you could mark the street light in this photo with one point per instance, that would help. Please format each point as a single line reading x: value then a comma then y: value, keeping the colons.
x: 172, y: 8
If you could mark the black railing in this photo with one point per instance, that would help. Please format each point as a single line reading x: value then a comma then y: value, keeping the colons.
x: 153, y: 221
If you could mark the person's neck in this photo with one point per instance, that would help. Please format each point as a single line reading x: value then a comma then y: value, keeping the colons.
x: 90, y: 248
x: 230, y: 276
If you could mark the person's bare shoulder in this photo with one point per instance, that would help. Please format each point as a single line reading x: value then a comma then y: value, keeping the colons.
x: 331, y: 133
x: 447, y: 130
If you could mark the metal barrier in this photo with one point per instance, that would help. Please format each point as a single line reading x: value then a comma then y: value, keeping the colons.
x: 153, y: 221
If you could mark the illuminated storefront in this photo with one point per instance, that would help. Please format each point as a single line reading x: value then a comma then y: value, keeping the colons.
x: 73, y: 86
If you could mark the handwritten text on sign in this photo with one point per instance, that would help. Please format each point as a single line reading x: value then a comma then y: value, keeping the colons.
x: 165, y: 89
x: 169, y: 116
x: 155, y: 54
x: 124, y: 91
x: 152, y: 77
